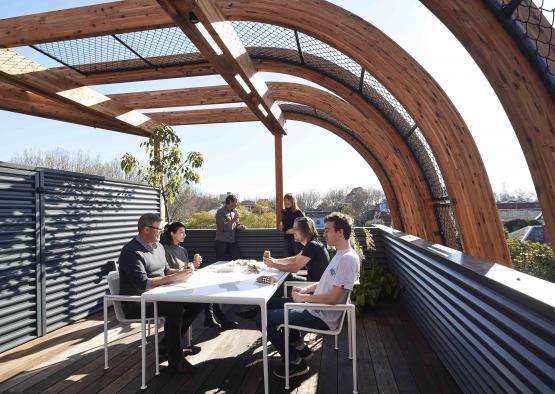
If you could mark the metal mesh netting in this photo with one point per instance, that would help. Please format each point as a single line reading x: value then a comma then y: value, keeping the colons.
x: 532, y: 23
x: 266, y: 41
x: 448, y: 225
x: 171, y: 47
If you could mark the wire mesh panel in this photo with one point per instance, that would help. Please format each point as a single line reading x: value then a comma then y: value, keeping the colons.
x: 386, y: 103
x: 18, y: 256
x: 163, y: 47
x: 448, y: 225
x: 330, y: 61
x: 531, y: 23
x: 265, y: 41
x: 94, y: 54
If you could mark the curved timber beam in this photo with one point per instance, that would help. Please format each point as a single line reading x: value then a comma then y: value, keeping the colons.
x: 518, y: 86
x: 454, y: 148
x: 385, y: 143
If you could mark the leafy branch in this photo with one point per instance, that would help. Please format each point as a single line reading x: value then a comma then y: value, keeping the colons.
x: 168, y: 168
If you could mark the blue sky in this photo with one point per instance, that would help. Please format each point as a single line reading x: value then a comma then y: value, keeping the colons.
x: 239, y: 157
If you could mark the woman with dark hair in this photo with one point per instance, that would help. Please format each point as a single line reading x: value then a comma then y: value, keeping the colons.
x: 289, y: 214
x: 178, y: 258
x: 176, y: 255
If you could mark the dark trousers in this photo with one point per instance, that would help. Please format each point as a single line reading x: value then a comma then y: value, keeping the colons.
x: 178, y: 317
x: 227, y: 251
x: 296, y: 317
x: 292, y: 248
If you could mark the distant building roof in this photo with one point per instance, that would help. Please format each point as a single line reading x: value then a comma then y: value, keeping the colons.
x: 529, y: 233
x: 519, y: 205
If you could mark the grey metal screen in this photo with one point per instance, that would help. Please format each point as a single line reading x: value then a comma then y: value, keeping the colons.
x: 18, y: 256
x: 87, y: 221
x: 58, y: 232
x: 491, y: 336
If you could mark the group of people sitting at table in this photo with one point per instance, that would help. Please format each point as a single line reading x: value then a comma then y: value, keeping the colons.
x: 155, y: 257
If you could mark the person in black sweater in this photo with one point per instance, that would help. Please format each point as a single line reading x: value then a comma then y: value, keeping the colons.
x: 314, y: 255
x: 290, y: 213
x: 142, y: 266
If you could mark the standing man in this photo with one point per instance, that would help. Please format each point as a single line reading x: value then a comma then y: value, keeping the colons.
x: 227, y: 222
x: 142, y: 266
x: 333, y: 288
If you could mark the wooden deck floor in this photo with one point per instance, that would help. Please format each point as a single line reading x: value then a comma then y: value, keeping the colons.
x: 393, y: 357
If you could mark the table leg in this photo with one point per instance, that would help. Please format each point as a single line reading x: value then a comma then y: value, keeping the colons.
x: 143, y: 344
x: 264, y: 323
x: 156, y: 338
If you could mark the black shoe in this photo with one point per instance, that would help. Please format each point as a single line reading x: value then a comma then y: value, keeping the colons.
x: 294, y: 370
x: 249, y: 313
x: 305, y: 352
x: 211, y: 323
x: 228, y: 324
x: 183, y: 366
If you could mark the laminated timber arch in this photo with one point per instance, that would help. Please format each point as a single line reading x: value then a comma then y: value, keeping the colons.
x: 435, y: 116
x: 526, y: 93
x: 375, y: 132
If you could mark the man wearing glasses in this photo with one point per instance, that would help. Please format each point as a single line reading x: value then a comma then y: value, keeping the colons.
x: 142, y: 266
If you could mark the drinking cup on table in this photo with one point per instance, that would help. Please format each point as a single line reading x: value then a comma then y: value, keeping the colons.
x: 197, y: 260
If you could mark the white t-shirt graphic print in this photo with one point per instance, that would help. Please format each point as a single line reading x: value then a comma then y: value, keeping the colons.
x: 342, y: 271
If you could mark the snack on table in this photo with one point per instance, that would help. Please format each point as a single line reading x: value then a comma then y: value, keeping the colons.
x: 267, y: 254
x: 196, y: 258
x: 253, y: 269
x: 266, y: 280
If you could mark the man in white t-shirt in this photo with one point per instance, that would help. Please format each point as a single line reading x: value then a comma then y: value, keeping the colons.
x: 333, y: 288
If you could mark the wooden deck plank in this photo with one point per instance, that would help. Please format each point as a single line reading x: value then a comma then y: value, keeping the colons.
x: 382, y: 369
x: 393, y: 356
x: 399, y: 367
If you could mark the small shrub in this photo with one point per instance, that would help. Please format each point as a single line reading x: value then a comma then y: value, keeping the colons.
x: 533, y: 259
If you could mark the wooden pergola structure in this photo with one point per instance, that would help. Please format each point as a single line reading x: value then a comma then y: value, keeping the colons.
x: 385, y: 104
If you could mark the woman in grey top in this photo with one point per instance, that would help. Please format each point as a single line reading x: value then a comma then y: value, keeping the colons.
x: 176, y: 255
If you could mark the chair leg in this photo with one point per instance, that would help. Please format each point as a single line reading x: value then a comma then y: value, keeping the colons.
x: 189, y: 336
x: 354, y: 346
x: 156, y: 338
x: 148, y: 330
x: 336, y: 347
x: 349, y: 335
x: 105, y: 334
x: 286, y: 333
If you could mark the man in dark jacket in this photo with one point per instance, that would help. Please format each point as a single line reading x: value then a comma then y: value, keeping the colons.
x: 142, y: 266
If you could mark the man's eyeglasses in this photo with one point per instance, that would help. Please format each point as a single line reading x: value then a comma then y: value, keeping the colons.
x: 156, y: 228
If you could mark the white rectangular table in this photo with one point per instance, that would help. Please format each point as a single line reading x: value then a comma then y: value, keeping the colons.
x: 214, y: 285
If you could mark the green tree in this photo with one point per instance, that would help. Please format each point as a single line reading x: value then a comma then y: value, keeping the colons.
x: 168, y: 168
x: 202, y: 219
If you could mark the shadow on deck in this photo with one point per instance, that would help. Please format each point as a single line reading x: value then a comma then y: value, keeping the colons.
x: 393, y: 356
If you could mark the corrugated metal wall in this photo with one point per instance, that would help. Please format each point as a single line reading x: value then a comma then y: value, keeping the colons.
x: 67, y: 226
x: 491, y: 337
x: 19, y: 257
x: 252, y: 242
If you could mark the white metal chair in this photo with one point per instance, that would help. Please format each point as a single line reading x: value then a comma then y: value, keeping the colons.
x: 115, y: 299
x: 347, y: 308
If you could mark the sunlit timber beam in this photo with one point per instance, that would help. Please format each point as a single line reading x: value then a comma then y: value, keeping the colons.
x: 178, y: 97
x: 19, y: 100
x: 26, y: 74
x: 217, y: 40
x: 204, y: 116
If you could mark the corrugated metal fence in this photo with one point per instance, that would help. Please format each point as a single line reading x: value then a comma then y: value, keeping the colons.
x: 483, y: 320
x: 58, y: 231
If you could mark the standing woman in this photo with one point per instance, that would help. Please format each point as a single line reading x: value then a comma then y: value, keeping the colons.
x: 290, y: 213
